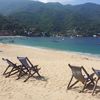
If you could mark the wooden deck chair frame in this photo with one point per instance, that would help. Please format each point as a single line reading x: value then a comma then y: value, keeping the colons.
x: 78, y: 75
x: 97, y: 72
x: 31, y: 69
x: 14, y: 69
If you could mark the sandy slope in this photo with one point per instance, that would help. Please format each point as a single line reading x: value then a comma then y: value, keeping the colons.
x: 54, y: 68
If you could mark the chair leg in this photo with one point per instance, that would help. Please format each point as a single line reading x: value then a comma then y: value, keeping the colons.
x: 27, y: 78
x: 30, y: 75
x: 19, y: 76
x: 85, y: 84
x: 94, y: 88
x: 6, y: 70
x: 37, y: 71
x: 14, y: 73
x: 69, y: 86
x: 10, y: 72
x: 74, y: 84
x: 69, y: 82
x: 21, y: 73
x: 38, y: 74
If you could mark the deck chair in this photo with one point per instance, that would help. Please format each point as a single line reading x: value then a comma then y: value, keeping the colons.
x: 77, y: 73
x: 97, y: 72
x: 31, y: 69
x: 11, y: 68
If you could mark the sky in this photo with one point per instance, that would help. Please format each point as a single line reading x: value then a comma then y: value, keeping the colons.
x: 70, y: 1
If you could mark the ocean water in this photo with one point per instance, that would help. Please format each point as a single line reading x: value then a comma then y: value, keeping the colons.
x: 86, y: 45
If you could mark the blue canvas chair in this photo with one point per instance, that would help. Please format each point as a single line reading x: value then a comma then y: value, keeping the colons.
x: 31, y: 69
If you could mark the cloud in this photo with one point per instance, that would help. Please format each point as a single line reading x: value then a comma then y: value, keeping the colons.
x: 61, y: 1
x: 70, y: 1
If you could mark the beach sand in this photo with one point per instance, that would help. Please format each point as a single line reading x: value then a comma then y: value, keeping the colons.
x: 54, y: 68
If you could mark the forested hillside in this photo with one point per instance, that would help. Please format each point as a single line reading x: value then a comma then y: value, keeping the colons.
x: 25, y: 17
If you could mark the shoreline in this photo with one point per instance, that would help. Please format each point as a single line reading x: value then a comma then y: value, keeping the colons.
x: 57, y: 50
x: 96, y: 55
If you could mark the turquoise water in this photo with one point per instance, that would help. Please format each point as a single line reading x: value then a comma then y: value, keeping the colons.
x: 87, y: 45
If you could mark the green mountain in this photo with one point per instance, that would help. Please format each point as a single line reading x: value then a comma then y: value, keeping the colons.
x: 53, y: 18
